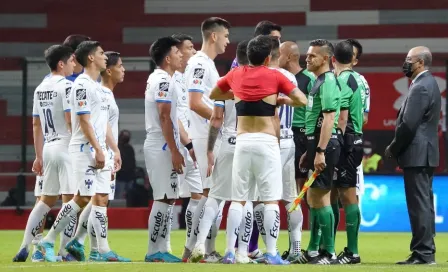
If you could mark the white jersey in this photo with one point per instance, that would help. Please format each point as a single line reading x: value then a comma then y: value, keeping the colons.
x: 160, y: 89
x: 200, y: 76
x: 114, y: 113
x: 183, y: 111
x: 51, y: 100
x: 229, y: 127
x: 88, y: 97
x: 286, y: 112
x: 366, y: 86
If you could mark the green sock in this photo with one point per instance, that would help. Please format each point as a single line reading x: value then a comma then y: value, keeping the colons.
x: 352, y: 221
x: 315, y: 231
x: 335, y: 208
x: 326, y: 223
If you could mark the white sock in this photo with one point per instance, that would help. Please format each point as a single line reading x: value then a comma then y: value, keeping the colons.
x: 195, y: 225
x: 210, y: 243
x: 246, y: 229
x: 67, y: 234
x: 211, y: 210
x: 167, y: 228
x: 295, y: 221
x: 259, y: 219
x: 92, y: 236
x: 233, y: 224
x: 189, y: 213
x: 272, y: 227
x: 81, y: 231
x: 35, y: 221
x: 36, y: 241
x: 62, y: 220
x: 98, y: 217
x: 155, y: 226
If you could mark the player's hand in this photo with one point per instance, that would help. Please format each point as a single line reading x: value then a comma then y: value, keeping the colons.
x: 211, y: 163
x: 302, y: 162
x: 319, y: 162
x: 281, y: 100
x: 117, y: 161
x: 99, y: 159
x: 366, y: 119
x: 193, y: 157
x: 178, y: 161
x: 37, y: 167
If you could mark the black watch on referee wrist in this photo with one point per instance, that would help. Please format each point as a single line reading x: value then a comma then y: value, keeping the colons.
x: 320, y: 150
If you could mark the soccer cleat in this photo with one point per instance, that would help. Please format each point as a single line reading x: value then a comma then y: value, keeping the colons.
x: 22, y: 255
x: 294, y: 259
x: 285, y: 255
x: 37, y: 257
x: 260, y: 259
x: 76, y: 249
x: 346, y: 257
x: 274, y: 260
x: 154, y: 258
x: 169, y: 258
x: 257, y: 253
x: 94, y: 256
x: 213, y: 257
x: 112, y: 257
x: 243, y: 259
x: 306, y: 258
x: 229, y: 258
x: 47, y: 250
x: 68, y: 258
x: 197, y: 254
x: 186, y: 255
x: 325, y: 258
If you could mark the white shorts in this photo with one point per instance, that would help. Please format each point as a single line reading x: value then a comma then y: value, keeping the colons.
x: 57, y: 178
x: 257, y: 162
x: 190, y: 181
x: 200, y: 150
x: 288, y: 174
x: 38, y: 186
x: 164, y: 181
x: 360, y: 181
x: 110, y: 166
x: 90, y: 181
x: 221, y: 179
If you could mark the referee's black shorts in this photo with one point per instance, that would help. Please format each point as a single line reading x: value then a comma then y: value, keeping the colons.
x: 325, y: 179
x: 349, y: 160
x: 300, y: 143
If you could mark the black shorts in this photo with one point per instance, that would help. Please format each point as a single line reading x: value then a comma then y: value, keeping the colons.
x: 349, y: 160
x: 325, y: 179
x: 300, y: 143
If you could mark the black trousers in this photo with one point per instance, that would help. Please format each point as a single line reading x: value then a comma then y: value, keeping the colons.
x: 420, y: 202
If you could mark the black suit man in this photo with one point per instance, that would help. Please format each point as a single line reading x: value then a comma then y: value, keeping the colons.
x: 416, y: 148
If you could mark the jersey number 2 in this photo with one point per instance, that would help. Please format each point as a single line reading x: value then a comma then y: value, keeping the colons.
x: 48, y: 120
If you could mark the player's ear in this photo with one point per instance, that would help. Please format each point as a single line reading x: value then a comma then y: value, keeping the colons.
x: 91, y: 57
x: 214, y: 36
x: 267, y: 60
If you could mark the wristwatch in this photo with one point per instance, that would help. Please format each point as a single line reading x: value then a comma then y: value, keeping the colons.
x: 320, y: 150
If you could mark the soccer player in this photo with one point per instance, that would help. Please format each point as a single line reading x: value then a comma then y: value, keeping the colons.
x: 113, y: 75
x: 90, y: 135
x: 51, y: 131
x: 322, y: 113
x: 73, y: 41
x: 257, y: 160
x: 164, y: 161
x: 350, y: 122
x: 287, y: 152
x: 201, y: 76
x: 223, y: 118
x: 190, y: 184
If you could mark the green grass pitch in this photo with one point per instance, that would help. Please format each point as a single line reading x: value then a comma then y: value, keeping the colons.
x: 379, y: 252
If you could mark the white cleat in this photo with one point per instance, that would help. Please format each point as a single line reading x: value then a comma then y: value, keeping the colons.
x: 213, y: 257
x: 197, y: 254
x: 243, y: 259
x: 256, y: 254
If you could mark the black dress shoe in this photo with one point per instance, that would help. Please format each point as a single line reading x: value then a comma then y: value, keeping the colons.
x: 415, y: 260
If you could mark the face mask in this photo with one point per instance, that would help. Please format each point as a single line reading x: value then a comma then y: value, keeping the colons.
x: 367, y: 151
x: 407, y: 69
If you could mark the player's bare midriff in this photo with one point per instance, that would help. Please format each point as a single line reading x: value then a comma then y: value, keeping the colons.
x: 258, y: 124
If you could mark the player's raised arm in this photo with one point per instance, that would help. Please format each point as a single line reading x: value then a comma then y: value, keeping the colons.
x: 222, y: 89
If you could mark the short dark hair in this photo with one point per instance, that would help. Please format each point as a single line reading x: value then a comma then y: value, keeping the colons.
x: 258, y: 49
x: 343, y: 52
x: 210, y: 24
x: 75, y: 40
x: 161, y: 48
x: 325, y: 45
x: 358, y: 46
x: 241, y: 53
x: 266, y: 27
x: 275, y: 51
x: 85, y: 49
x: 56, y: 53
x: 112, y: 58
x: 182, y: 37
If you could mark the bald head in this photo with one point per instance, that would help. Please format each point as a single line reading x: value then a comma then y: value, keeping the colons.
x: 289, y: 55
x: 289, y: 48
x: 420, y: 53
